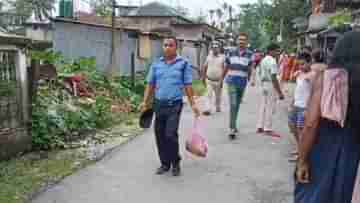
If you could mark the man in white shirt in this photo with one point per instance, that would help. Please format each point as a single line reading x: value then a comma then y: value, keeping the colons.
x: 270, y: 90
x: 212, y: 75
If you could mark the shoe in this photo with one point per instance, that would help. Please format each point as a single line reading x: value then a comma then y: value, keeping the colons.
x: 233, y: 134
x: 295, y: 152
x: 163, y: 169
x: 294, y: 158
x: 207, y: 113
x: 260, y: 130
x: 176, y: 171
x: 218, y: 109
x: 272, y: 134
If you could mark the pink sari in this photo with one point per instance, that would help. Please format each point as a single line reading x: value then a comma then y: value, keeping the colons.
x: 356, y: 194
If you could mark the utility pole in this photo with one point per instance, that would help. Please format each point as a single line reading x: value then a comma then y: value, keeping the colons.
x: 280, y: 36
x: 231, y: 19
x: 112, y: 68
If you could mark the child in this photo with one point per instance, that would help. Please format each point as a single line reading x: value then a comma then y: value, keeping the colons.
x: 301, y: 96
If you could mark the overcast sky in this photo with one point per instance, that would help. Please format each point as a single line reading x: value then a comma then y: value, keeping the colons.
x: 195, y: 6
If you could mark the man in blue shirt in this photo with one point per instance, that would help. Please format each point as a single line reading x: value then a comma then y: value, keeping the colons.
x: 168, y: 79
x: 238, y: 67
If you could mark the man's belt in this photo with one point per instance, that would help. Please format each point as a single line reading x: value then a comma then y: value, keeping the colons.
x: 212, y: 79
x: 167, y: 103
x: 238, y: 73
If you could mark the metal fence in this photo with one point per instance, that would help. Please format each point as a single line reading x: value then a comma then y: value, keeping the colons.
x: 11, y: 115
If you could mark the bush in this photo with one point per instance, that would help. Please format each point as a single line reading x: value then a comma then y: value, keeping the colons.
x: 57, y: 121
x: 59, y: 118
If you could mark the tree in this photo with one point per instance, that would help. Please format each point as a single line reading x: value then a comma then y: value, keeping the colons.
x: 211, y: 14
x: 262, y: 20
x: 41, y: 9
x: 219, y: 13
x: 183, y: 11
x: 252, y: 19
x: 201, y: 18
x: 101, y: 7
x: 225, y: 6
x: 285, y: 11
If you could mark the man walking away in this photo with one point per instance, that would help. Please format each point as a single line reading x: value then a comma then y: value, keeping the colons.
x: 237, y: 71
x: 270, y: 90
x: 212, y: 75
x: 167, y: 79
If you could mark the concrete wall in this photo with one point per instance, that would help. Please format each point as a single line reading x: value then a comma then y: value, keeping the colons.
x: 188, y: 33
x: 196, y: 56
x: 156, y: 48
x: 77, y: 40
x: 190, y: 52
x: 319, y: 21
x: 146, y: 23
x: 39, y: 34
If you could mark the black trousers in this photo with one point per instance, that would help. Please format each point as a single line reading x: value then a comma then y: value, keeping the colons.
x: 167, y: 120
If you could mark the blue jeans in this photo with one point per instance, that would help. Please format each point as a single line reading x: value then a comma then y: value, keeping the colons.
x: 167, y: 118
x: 235, y: 97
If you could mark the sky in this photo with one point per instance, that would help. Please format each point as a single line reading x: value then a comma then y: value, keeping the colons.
x: 194, y: 6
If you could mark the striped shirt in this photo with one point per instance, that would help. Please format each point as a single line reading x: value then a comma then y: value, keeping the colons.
x: 239, y: 62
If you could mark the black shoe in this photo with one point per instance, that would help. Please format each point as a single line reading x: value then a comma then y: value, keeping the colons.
x: 206, y: 113
x: 162, y: 170
x: 233, y: 134
x: 176, y: 171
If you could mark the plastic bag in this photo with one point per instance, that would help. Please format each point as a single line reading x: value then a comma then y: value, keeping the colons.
x: 356, y: 194
x: 196, y: 143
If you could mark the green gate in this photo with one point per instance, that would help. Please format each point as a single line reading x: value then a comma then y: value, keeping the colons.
x: 11, y: 114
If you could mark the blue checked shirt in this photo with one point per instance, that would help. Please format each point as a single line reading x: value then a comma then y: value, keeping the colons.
x: 239, y: 63
x: 169, y: 80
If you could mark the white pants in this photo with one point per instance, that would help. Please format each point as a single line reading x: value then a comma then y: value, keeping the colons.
x: 267, y: 107
x: 213, y: 90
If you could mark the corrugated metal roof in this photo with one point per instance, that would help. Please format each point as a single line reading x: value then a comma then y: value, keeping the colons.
x: 12, y: 39
x: 347, y: 1
x: 197, y: 24
x: 92, y: 23
x: 154, y: 9
x: 8, y: 35
x: 2, y: 29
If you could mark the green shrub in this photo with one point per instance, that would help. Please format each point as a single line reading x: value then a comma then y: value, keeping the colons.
x: 342, y: 17
x: 59, y: 118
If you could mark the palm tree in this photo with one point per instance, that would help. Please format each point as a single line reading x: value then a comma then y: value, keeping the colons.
x: 42, y: 9
x: 101, y: 7
x: 211, y: 12
x: 219, y: 13
x: 225, y: 8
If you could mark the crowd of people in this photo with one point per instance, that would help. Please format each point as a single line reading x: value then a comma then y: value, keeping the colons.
x: 323, y: 112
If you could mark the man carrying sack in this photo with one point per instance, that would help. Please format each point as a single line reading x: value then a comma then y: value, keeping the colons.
x: 168, y: 79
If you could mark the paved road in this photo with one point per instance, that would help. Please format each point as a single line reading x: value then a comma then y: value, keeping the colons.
x: 251, y: 169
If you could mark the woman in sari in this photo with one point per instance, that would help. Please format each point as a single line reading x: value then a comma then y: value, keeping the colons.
x: 288, y: 64
x: 329, y: 149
